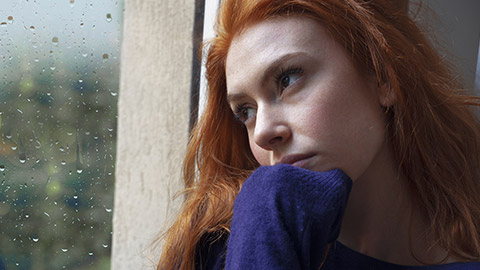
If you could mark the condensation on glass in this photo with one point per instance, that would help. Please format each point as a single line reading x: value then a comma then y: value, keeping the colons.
x: 59, y: 80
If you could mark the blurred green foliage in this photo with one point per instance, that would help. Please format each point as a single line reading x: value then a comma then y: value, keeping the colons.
x: 57, y: 157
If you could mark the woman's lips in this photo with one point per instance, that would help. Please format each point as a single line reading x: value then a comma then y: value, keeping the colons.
x: 297, y: 160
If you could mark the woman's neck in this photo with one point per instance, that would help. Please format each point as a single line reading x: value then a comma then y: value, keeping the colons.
x: 380, y: 220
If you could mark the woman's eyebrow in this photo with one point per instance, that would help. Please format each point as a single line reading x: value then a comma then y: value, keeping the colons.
x: 232, y: 98
x: 272, y: 67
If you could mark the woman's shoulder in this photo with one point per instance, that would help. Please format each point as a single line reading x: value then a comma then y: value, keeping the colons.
x: 342, y: 257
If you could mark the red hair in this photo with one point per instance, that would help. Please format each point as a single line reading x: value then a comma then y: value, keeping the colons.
x: 432, y: 129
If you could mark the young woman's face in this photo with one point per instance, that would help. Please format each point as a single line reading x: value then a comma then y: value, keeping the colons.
x: 302, y: 100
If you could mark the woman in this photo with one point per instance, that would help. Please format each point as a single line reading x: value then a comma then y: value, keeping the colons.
x: 370, y: 148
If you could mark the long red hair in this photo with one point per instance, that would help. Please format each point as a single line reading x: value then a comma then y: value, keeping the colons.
x: 431, y: 127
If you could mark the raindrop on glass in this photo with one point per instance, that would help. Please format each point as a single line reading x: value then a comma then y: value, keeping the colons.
x: 2, y: 168
x: 80, y: 81
x: 90, y: 254
x: 55, y: 40
x: 34, y: 239
x: 108, y: 210
x: 32, y: 28
x: 105, y: 245
x: 22, y: 158
x: 10, y: 18
x: 63, y: 162
x: 64, y: 249
x: 3, y: 24
x: 79, y: 170
x: 109, y: 17
x: 105, y: 56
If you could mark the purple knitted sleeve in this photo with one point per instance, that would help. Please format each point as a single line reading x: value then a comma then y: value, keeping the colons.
x: 284, y: 217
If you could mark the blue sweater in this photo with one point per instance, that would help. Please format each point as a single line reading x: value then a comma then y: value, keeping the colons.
x: 284, y: 218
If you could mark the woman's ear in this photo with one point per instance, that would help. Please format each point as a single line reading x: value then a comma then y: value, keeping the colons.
x: 386, y: 96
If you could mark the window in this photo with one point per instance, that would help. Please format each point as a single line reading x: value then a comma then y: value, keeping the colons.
x: 58, y: 93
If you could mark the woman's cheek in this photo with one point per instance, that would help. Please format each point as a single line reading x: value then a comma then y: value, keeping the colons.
x: 262, y: 156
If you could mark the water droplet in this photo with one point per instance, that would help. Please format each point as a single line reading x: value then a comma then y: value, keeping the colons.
x: 3, y: 24
x: 109, y: 17
x: 52, y: 68
x: 61, y: 148
x: 79, y: 170
x: 105, y: 56
x: 27, y: 216
x: 32, y: 28
x: 90, y: 253
x: 109, y: 210
x: 46, y: 214
x: 55, y: 40
x: 35, y: 239
x: 64, y: 249
x: 20, y: 111
x: 2, y: 168
x: 14, y: 147
x: 84, y: 54
x: 80, y: 81
x: 75, y: 196
x: 10, y: 18
x: 114, y: 94
x: 22, y: 160
x: 72, y: 3
x: 9, y: 136
x: 63, y: 162
x: 105, y: 245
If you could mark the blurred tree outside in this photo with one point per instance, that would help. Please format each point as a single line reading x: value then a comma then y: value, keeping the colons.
x: 59, y: 80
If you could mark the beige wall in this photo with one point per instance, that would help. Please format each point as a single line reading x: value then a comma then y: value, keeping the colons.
x: 152, y: 124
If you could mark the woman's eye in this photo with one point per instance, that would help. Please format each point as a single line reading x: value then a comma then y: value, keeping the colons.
x: 287, y: 80
x: 244, y: 113
x: 288, y: 77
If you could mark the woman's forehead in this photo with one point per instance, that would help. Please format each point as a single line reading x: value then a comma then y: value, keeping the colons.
x: 262, y: 44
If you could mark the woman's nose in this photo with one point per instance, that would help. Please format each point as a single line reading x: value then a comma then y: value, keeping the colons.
x: 271, y: 129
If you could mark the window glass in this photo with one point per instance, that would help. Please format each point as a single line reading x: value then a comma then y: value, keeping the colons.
x: 59, y: 80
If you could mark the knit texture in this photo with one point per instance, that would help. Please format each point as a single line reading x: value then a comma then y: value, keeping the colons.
x: 276, y: 214
x: 284, y: 217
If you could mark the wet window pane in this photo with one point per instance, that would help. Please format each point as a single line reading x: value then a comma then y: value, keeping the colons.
x: 59, y: 80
